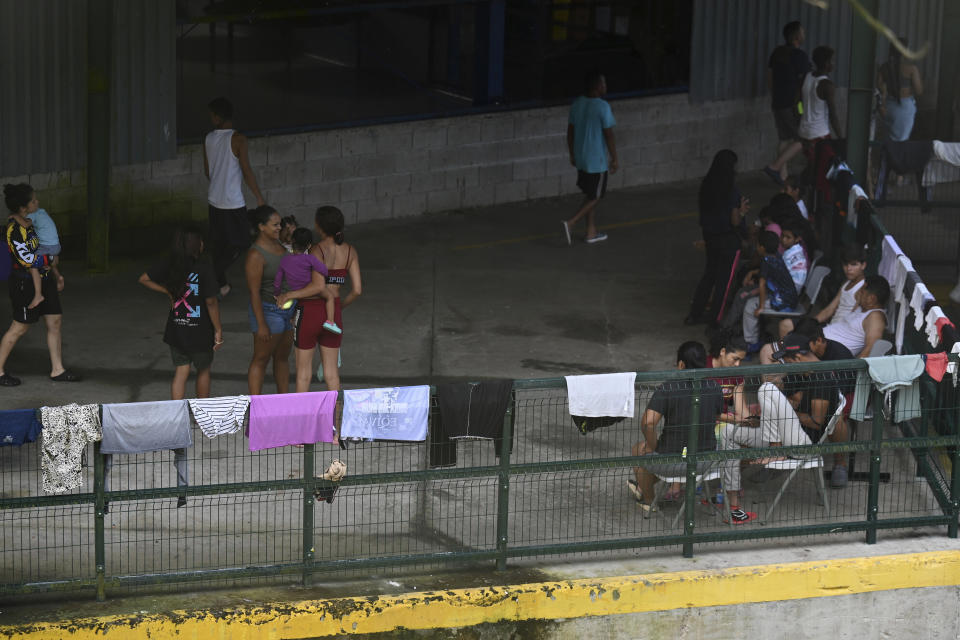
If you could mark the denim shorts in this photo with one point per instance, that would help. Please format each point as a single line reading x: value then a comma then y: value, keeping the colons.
x: 278, y: 320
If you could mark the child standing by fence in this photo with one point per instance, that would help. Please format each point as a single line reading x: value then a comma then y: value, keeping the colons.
x: 193, y: 324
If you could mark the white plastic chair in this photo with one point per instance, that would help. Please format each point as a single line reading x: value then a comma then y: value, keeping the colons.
x: 802, y: 464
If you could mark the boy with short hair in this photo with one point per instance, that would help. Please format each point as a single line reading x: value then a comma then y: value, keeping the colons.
x: 854, y: 260
x: 775, y: 285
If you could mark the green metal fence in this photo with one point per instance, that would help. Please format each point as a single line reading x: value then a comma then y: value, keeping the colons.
x: 548, y: 490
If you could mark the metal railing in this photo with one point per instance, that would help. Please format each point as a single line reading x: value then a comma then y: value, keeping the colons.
x: 548, y: 490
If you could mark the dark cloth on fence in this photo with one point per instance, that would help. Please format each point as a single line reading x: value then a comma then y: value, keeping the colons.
x: 468, y: 410
x: 586, y: 424
x: 908, y: 157
x: 18, y: 427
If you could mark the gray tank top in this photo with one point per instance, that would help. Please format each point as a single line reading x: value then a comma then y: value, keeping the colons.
x: 271, y: 264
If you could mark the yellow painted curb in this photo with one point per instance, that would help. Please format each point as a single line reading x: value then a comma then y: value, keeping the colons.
x: 546, y: 600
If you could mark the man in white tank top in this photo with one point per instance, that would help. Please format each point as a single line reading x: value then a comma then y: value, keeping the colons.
x: 865, y: 324
x: 818, y: 95
x: 227, y: 165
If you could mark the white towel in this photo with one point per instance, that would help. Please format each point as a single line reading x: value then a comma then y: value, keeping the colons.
x: 888, y: 258
x: 947, y: 151
x: 856, y: 193
x: 917, y: 302
x: 933, y: 315
x: 902, y: 267
x: 604, y: 395
x: 219, y: 416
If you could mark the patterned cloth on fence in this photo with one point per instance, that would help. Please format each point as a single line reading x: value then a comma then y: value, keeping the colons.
x: 138, y: 427
x: 286, y: 419
x: 66, y: 433
x: 220, y: 416
x: 18, y: 427
x: 396, y: 413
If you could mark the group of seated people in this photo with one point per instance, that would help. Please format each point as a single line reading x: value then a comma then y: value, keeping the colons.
x: 771, y: 410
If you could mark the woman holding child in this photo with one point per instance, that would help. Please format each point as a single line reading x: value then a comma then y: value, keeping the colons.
x: 341, y: 261
x: 34, y: 284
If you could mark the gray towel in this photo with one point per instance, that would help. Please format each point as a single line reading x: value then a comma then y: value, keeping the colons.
x: 138, y: 427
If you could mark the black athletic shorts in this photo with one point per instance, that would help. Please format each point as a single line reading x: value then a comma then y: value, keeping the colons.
x: 787, y: 121
x: 21, y: 294
x: 593, y: 185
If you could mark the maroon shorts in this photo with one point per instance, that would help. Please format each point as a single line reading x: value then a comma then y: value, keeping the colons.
x: 308, y: 322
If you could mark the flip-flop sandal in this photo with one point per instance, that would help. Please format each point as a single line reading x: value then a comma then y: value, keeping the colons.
x: 7, y: 380
x: 773, y: 175
x: 66, y: 376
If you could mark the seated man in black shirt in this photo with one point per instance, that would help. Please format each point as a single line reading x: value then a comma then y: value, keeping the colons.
x: 673, y: 402
x: 815, y: 397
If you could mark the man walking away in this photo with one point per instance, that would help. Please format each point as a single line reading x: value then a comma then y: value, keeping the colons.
x: 589, y: 139
x: 225, y: 163
x: 786, y: 70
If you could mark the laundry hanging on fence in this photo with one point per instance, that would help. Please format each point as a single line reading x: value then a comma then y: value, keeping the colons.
x: 280, y: 420
x: 935, y: 321
x: 902, y: 268
x: 220, y: 416
x: 888, y: 258
x: 395, y: 413
x: 66, y: 433
x: 936, y: 365
x: 918, y: 301
x: 468, y: 410
x: 139, y: 427
x: 603, y: 395
x: 890, y: 374
x: 18, y: 427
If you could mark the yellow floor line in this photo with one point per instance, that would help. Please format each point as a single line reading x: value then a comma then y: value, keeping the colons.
x: 539, y: 601
x: 544, y: 236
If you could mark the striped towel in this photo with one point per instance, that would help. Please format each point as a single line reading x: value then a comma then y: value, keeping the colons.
x: 219, y: 416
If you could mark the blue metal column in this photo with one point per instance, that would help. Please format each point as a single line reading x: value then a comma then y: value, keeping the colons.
x: 490, y: 25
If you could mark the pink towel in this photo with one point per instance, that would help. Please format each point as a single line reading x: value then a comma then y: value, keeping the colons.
x: 293, y: 418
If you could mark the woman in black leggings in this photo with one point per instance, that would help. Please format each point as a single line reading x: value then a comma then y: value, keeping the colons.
x: 721, y: 219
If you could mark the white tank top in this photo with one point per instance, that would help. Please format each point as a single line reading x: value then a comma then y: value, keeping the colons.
x: 849, y: 331
x: 847, y: 302
x: 225, y: 175
x: 815, y: 122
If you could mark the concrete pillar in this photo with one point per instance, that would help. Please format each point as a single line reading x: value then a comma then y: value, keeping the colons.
x: 863, y: 49
x: 99, y: 51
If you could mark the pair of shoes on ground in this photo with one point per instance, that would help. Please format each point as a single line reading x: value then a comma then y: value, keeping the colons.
x: 7, y: 380
x: 600, y: 237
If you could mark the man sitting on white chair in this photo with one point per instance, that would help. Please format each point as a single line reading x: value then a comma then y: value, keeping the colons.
x: 815, y: 397
x: 779, y: 426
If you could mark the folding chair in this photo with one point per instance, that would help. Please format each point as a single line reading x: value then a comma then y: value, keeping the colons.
x: 811, y: 289
x: 801, y: 464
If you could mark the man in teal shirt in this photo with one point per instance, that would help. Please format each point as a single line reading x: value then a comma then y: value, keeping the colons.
x: 589, y: 139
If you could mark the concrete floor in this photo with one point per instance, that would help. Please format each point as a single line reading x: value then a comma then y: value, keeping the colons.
x: 490, y: 293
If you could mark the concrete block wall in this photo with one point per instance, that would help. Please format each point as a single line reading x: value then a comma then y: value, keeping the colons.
x: 404, y: 169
